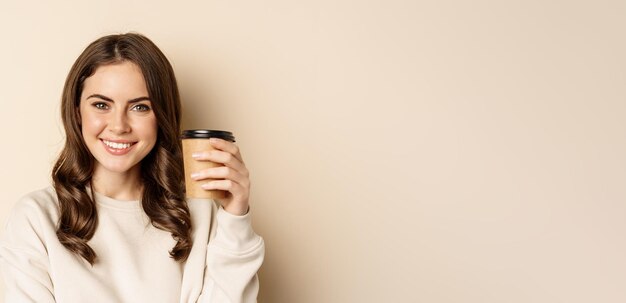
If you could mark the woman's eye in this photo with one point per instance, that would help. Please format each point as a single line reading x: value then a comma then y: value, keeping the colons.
x: 100, y: 105
x: 141, y: 108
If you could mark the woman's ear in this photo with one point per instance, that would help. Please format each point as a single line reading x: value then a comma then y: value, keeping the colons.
x: 77, y: 113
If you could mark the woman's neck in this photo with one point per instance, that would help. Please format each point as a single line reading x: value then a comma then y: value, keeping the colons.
x: 125, y: 186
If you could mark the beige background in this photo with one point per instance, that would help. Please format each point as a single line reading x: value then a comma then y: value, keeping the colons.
x: 400, y: 151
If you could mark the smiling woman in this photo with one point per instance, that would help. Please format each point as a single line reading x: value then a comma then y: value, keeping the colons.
x: 111, y: 128
x: 115, y: 225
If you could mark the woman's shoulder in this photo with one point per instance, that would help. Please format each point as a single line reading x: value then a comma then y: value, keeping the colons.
x: 41, y: 202
x: 30, y: 223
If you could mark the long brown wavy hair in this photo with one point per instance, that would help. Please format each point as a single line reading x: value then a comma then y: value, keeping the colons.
x: 161, y: 170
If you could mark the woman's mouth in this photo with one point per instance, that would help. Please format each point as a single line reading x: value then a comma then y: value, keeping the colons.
x: 117, y: 148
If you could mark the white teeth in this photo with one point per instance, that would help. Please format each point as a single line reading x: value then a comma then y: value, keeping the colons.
x: 116, y: 145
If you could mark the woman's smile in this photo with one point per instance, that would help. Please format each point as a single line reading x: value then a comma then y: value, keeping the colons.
x: 117, y: 148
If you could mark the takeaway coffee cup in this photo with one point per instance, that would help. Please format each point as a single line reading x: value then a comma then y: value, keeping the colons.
x: 197, y: 140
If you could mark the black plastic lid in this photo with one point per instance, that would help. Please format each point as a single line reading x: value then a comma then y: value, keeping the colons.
x: 207, y: 133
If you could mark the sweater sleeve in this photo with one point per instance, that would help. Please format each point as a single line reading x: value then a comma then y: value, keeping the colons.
x: 234, y: 256
x: 23, y: 256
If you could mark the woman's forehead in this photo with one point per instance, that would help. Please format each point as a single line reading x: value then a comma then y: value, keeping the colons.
x: 122, y: 81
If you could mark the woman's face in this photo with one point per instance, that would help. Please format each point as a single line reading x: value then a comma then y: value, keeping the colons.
x: 118, y: 124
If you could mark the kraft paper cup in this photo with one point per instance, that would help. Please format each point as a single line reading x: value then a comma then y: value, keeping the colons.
x: 197, y: 140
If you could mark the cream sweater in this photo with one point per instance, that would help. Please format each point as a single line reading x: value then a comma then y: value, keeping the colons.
x: 133, y: 263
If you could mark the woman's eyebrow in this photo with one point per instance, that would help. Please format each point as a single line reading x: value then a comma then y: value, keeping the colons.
x: 111, y: 100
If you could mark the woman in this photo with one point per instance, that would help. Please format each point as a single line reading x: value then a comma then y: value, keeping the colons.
x: 115, y: 226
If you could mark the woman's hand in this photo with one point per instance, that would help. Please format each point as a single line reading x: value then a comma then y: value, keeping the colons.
x: 234, y: 175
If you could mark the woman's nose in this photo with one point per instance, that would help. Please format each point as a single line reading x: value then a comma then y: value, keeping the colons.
x: 118, y: 123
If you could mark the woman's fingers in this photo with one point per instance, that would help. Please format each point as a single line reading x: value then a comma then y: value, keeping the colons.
x: 221, y: 172
x: 227, y: 185
x: 226, y: 146
x: 237, y: 201
x: 222, y: 157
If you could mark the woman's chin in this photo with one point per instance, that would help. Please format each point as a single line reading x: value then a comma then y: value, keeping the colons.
x: 117, y: 168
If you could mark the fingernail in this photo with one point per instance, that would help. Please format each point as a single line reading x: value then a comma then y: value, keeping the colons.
x: 196, y: 155
x: 195, y: 175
